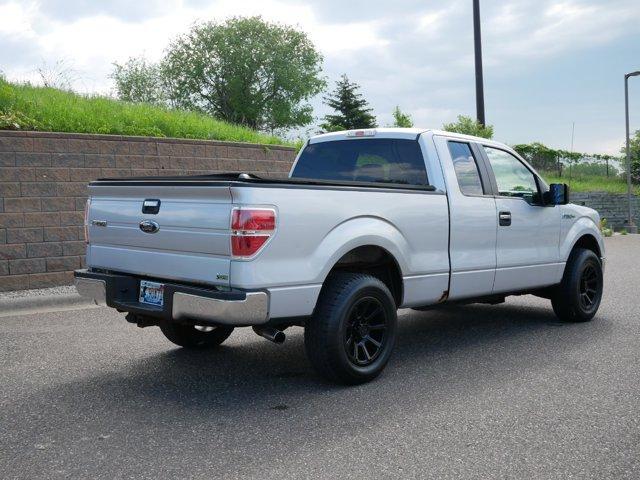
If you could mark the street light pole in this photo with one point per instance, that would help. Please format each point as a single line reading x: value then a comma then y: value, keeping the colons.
x: 631, y: 226
x: 478, y: 55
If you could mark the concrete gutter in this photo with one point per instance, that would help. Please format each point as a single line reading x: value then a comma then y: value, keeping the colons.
x: 43, y: 303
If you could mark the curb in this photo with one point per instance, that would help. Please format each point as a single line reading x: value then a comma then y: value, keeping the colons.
x: 16, y: 306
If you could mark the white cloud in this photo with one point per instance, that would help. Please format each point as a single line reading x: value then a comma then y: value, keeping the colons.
x: 16, y: 18
x: 430, y: 22
x: 547, y: 29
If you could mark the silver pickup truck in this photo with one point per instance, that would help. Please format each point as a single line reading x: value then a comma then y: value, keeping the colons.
x: 368, y: 221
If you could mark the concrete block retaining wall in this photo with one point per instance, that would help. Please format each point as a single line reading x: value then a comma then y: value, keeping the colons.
x: 611, y: 206
x: 43, y: 187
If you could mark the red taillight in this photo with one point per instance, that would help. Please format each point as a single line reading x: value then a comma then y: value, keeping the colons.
x: 246, y: 246
x: 86, y: 221
x: 253, y: 219
x: 250, y: 230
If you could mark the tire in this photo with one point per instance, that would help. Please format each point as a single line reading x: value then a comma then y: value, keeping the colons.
x: 355, y: 318
x: 188, y: 336
x: 577, y: 297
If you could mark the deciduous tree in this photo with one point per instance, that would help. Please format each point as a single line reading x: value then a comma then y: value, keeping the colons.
x: 401, y: 119
x: 245, y: 71
x: 139, y: 81
x: 469, y: 126
x: 635, y: 157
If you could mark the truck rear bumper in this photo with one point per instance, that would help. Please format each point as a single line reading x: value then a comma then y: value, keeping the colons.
x: 182, y: 303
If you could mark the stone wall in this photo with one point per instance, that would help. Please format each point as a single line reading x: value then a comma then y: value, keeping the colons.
x: 611, y: 206
x: 43, y: 187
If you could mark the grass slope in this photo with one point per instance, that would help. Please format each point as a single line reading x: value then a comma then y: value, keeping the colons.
x: 592, y: 183
x: 26, y: 107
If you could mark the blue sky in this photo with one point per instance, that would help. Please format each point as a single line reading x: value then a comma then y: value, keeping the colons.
x: 584, y: 86
x: 548, y: 63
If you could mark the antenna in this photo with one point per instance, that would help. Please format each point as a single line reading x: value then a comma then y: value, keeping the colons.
x: 573, y: 131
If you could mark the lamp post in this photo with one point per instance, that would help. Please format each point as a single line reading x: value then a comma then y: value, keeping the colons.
x: 630, y: 226
x: 477, y: 40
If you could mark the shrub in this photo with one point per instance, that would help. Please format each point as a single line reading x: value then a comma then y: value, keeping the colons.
x: 606, y: 231
x: 469, y: 126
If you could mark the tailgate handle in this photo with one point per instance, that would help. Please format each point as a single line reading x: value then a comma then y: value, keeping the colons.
x: 151, y: 206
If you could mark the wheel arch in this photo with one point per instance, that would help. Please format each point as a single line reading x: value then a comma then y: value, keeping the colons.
x: 588, y: 242
x: 373, y: 260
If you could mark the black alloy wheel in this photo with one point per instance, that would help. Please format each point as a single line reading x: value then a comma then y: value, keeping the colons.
x: 589, y: 287
x: 366, y: 331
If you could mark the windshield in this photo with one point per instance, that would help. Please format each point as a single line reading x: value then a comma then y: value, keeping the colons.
x: 379, y: 160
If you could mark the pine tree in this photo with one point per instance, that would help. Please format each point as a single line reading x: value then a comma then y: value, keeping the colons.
x: 352, y: 111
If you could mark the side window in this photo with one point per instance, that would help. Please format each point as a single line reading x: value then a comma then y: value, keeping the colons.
x: 466, y: 168
x: 512, y: 177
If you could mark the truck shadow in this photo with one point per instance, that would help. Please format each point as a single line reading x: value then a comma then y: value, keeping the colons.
x: 476, y: 345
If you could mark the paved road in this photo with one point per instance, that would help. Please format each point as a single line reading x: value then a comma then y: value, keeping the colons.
x: 477, y: 391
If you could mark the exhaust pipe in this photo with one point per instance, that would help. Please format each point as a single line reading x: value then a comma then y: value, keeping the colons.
x: 141, y: 321
x: 271, y: 334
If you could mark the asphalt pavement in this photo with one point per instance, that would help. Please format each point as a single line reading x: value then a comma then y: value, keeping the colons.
x: 471, y: 392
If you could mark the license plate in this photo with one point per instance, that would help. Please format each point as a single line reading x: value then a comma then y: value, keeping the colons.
x: 151, y: 293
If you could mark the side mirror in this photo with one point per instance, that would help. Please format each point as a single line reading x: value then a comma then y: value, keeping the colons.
x: 558, y: 194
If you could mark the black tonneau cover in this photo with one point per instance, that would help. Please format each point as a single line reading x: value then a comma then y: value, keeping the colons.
x: 242, y: 179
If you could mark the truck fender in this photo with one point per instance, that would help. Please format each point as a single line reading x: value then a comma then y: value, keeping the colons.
x: 582, y: 226
x: 359, y: 232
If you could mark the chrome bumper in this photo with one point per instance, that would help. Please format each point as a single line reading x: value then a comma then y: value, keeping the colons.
x: 253, y: 310
x: 182, y: 303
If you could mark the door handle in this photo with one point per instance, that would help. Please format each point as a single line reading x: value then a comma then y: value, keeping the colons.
x: 504, y: 219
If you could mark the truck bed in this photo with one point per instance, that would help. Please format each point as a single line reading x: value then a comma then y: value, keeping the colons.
x: 317, y: 222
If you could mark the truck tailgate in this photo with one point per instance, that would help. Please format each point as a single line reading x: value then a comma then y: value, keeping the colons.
x: 191, y: 242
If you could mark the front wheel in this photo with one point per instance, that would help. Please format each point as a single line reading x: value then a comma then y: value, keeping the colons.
x: 578, y: 296
x: 352, y: 333
x: 194, y: 336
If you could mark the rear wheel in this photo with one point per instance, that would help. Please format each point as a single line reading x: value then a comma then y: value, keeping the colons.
x: 193, y: 336
x: 352, y: 333
x: 578, y: 296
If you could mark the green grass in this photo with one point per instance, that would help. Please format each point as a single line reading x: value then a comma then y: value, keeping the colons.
x: 591, y: 183
x: 26, y: 107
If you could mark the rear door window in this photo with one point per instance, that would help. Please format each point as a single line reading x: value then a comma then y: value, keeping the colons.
x: 379, y: 160
x: 466, y: 168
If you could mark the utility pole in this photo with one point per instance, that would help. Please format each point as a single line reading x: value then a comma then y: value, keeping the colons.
x: 630, y: 226
x: 477, y: 39
x: 573, y: 132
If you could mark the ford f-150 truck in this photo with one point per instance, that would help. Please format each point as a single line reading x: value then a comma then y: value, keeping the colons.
x: 368, y: 221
